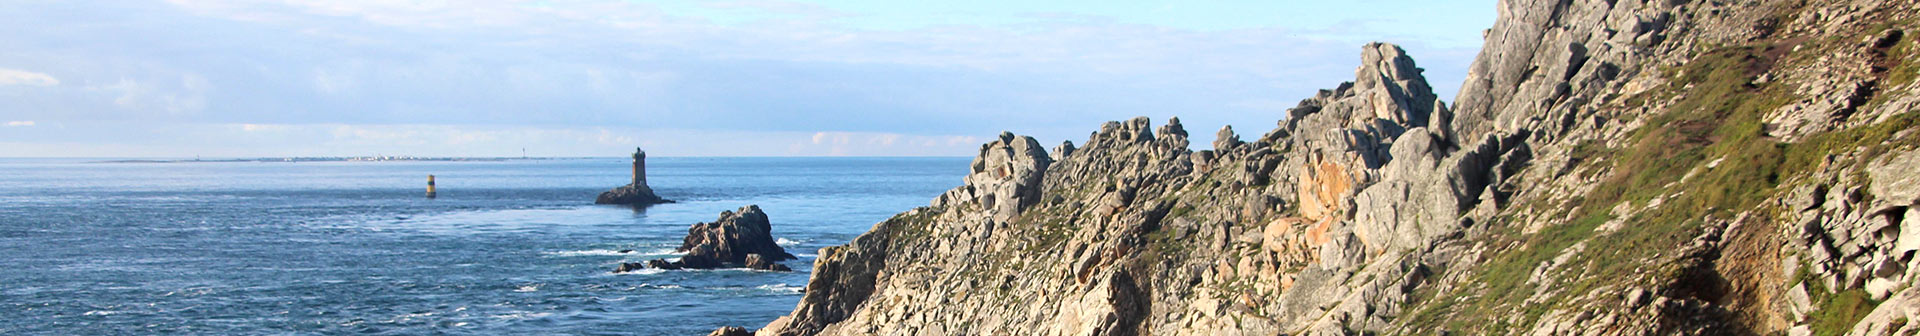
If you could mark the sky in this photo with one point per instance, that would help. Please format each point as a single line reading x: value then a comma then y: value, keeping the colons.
x: 240, y: 78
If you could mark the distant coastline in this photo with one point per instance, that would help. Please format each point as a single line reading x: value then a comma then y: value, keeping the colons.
x: 338, y: 159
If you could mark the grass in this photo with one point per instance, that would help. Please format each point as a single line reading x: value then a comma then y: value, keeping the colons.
x: 1718, y: 117
x: 1835, y: 313
x: 1907, y: 69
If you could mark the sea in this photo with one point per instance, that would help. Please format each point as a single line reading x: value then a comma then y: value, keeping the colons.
x: 513, y: 247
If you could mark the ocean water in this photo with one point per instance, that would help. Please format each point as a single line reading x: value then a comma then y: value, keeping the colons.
x: 511, y: 248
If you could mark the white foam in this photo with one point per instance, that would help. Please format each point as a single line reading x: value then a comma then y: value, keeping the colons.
x: 528, y: 289
x: 653, y: 286
x: 644, y: 271
x: 781, y: 288
x: 612, y: 252
x: 99, y: 313
x: 584, y: 253
x: 786, y: 242
x: 522, y: 316
x: 405, y: 317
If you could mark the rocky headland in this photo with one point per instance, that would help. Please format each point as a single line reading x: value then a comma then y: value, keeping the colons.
x: 1608, y: 168
x: 739, y: 239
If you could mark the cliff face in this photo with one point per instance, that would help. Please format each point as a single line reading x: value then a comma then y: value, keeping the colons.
x: 1611, y: 167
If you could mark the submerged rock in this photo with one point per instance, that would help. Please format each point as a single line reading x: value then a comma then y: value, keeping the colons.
x: 741, y: 238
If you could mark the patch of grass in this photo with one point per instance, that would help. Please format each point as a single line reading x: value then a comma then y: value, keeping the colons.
x: 1181, y: 211
x: 1838, y: 312
x: 1907, y: 69
x: 1718, y: 117
x: 912, y: 225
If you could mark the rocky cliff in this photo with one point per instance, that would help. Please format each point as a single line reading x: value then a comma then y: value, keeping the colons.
x: 1610, y: 168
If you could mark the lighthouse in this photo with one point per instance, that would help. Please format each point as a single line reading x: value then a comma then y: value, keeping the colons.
x: 639, y: 167
x: 636, y: 193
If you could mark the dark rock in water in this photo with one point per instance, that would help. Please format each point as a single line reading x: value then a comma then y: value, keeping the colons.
x: 636, y: 193
x: 736, y: 235
x: 700, y: 257
x: 662, y: 264
x: 629, y: 267
x: 631, y: 195
x: 731, y: 331
x: 740, y: 238
x: 759, y: 262
x: 626, y: 251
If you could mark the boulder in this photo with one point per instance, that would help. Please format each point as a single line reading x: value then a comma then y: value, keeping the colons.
x: 731, y: 331
x: 740, y: 238
x: 734, y: 236
x: 1894, y: 181
x: 759, y: 262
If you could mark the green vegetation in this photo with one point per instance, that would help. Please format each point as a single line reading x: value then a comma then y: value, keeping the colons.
x: 1716, y: 122
x: 1835, y: 313
x: 1906, y: 68
x: 1718, y: 118
x: 914, y: 225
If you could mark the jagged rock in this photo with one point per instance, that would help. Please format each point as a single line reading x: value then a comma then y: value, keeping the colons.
x: 1225, y: 140
x: 1376, y: 209
x: 1896, y: 180
x: 662, y: 264
x: 760, y: 262
x: 735, y: 235
x: 1005, y: 177
x: 730, y: 331
x: 740, y: 238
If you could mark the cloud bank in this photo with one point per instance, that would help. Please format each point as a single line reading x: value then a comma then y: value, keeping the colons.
x: 504, y: 75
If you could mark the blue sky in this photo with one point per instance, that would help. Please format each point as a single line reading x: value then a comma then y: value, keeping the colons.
x: 231, y: 78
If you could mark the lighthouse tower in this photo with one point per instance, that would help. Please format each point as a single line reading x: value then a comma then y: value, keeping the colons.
x: 636, y: 193
x: 639, y: 167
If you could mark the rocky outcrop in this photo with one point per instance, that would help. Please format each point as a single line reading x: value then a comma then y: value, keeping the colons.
x: 1609, y: 168
x: 731, y: 331
x: 738, y: 239
x: 1125, y: 234
x: 636, y: 193
x: 639, y: 195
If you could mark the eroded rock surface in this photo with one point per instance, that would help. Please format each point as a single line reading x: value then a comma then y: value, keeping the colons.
x: 742, y: 238
x: 1609, y: 168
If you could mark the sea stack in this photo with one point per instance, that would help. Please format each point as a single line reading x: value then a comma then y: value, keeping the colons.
x: 637, y: 193
x: 742, y: 238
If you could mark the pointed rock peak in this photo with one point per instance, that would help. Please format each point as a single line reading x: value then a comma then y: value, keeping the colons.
x: 1388, y: 94
x: 1061, y: 152
x: 1138, y: 129
x: 1386, y: 61
x: 1225, y: 139
x: 1173, y: 128
x: 1400, y: 91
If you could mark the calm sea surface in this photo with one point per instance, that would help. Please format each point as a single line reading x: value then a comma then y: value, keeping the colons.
x: 513, y: 247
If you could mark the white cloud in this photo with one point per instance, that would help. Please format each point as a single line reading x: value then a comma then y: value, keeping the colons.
x: 28, y: 78
x: 24, y: 123
x: 881, y: 144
